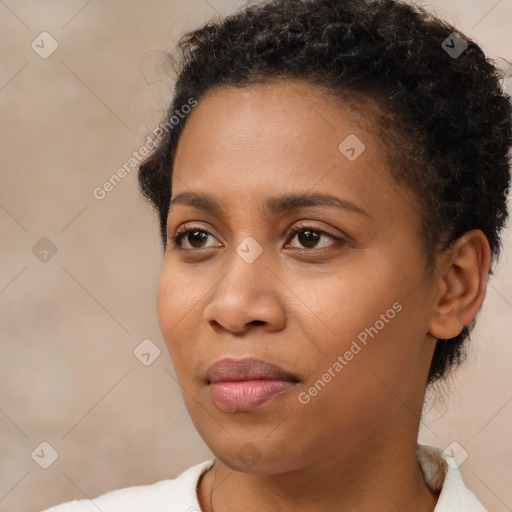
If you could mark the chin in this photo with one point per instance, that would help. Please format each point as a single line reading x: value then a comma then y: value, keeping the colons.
x: 260, y: 457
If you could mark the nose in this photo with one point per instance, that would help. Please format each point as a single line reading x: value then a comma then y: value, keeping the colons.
x: 247, y: 295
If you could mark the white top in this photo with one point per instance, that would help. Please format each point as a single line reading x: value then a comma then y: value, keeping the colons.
x: 179, y: 495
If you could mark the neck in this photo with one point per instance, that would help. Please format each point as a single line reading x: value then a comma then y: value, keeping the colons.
x: 379, y: 476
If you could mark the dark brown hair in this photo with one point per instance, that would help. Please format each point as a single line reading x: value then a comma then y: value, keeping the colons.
x: 443, y: 117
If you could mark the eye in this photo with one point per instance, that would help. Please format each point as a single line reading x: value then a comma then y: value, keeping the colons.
x: 309, y: 237
x: 194, y: 236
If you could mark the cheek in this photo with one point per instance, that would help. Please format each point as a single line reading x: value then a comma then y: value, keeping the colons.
x: 341, y: 305
x: 180, y: 299
x: 367, y: 311
x: 166, y: 301
x: 172, y: 306
x: 381, y: 341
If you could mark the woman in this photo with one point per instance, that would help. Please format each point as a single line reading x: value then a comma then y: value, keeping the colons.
x: 331, y: 186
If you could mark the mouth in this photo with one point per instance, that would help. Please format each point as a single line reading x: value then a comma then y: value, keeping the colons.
x: 244, y: 384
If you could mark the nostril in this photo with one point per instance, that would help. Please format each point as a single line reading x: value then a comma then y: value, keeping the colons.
x: 257, y: 322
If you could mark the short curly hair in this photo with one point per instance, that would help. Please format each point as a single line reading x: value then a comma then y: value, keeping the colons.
x: 444, y: 119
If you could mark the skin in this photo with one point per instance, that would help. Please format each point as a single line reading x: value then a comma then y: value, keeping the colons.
x: 300, y: 305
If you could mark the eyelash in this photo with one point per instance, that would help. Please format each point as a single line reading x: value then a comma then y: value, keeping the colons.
x: 176, y: 239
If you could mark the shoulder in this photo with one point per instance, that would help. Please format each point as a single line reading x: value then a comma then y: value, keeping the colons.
x: 180, y: 493
x: 442, y: 475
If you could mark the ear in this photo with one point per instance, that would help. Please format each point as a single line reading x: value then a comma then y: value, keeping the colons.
x: 462, y: 279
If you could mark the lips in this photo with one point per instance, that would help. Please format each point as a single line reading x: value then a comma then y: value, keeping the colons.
x: 244, y: 384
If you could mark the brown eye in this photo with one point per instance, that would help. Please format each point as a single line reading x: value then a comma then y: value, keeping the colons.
x: 194, y: 237
x: 308, y: 238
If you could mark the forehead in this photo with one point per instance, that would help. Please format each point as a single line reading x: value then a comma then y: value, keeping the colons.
x: 286, y: 118
x: 265, y: 139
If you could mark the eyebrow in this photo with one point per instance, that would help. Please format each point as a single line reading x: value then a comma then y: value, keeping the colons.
x: 273, y: 205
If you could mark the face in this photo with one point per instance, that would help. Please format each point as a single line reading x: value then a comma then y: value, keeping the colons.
x: 295, y: 300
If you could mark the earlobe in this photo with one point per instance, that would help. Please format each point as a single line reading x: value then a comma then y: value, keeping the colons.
x: 463, y: 271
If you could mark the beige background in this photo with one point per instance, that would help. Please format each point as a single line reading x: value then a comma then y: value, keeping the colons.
x: 69, y: 326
